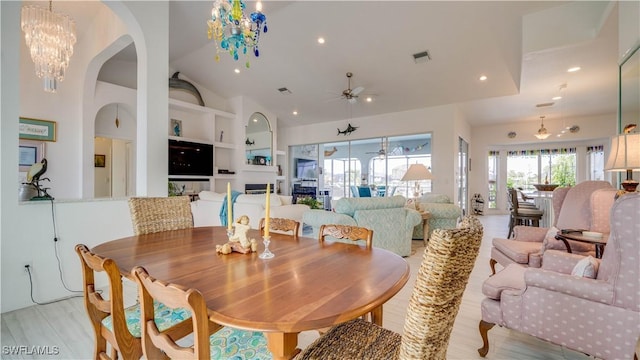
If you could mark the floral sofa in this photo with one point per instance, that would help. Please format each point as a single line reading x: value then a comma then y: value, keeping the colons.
x: 444, y: 214
x: 206, y: 210
x: 392, y: 223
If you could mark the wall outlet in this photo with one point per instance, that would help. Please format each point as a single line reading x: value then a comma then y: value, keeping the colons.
x: 27, y: 267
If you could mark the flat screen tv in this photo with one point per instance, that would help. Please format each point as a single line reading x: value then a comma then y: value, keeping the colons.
x: 189, y: 158
x: 306, y: 169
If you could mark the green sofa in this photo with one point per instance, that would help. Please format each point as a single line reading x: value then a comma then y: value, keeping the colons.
x: 392, y: 223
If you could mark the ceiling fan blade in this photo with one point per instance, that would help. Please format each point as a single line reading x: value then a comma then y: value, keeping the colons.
x: 357, y: 91
x: 352, y: 100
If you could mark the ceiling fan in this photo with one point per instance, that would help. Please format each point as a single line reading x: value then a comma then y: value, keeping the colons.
x: 381, y: 152
x: 351, y: 94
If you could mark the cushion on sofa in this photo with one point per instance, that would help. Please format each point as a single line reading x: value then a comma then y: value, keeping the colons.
x: 211, y: 196
x: 286, y: 200
x: 348, y: 206
x: 435, y: 198
x: 258, y: 199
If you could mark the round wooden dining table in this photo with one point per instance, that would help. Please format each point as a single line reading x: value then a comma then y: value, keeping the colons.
x: 306, y: 286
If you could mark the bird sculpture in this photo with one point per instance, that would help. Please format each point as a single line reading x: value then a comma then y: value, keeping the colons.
x: 34, y: 177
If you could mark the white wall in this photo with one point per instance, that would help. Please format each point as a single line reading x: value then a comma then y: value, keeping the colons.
x: 26, y: 229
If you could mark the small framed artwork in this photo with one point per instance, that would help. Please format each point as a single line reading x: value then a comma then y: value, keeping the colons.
x: 176, y: 127
x: 29, y: 153
x: 99, y: 160
x: 36, y: 129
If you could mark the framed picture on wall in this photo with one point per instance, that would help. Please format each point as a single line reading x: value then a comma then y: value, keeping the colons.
x: 29, y: 153
x: 99, y: 160
x: 176, y: 127
x: 36, y: 129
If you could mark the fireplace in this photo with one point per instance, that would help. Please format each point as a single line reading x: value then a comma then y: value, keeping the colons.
x: 257, y: 188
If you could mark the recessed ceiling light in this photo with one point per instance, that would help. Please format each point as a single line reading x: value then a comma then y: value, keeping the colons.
x: 237, y: 71
x: 295, y: 112
x: 483, y: 78
x: 556, y: 98
x: 574, y: 69
x: 320, y: 40
x: 369, y: 99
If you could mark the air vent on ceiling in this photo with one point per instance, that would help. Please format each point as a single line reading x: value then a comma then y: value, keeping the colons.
x: 284, y: 91
x: 545, y: 104
x: 421, y: 57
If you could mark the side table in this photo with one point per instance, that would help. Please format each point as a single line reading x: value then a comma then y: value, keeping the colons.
x: 425, y: 225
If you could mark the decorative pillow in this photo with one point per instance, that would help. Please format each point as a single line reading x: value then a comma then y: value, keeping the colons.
x: 286, y: 200
x: 587, y: 267
x: 550, y: 241
x: 258, y: 199
x: 211, y: 196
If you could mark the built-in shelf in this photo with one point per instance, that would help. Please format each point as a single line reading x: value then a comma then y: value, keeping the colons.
x: 182, y: 138
x: 224, y: 176
x: 183, y: 105
x: 260, y: 168
x: 225, y: 145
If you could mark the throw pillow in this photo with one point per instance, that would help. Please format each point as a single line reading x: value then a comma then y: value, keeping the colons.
x: 587, y: 267
x: 211, y: 196
x: 550, y: 241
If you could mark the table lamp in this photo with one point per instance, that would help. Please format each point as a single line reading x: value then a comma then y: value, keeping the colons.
x: 417, y: 172
x: 625, y: 156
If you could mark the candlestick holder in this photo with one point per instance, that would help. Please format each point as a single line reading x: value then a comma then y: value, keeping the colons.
x: 266, y: 254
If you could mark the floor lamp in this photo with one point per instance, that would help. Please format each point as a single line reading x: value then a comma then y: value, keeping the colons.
x: 417, y: 173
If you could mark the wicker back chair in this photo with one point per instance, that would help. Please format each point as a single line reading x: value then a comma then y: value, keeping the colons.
x: 280, y: 224
x: 155, y: 214
x: 433, y: 306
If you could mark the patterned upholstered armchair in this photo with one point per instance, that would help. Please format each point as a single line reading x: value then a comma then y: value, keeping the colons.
x: 391, y: 222
x: 599, y: 316
x: 584, y: 206
x: 444, y: 214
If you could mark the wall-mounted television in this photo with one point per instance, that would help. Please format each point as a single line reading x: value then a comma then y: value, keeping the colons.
x: 189, y: 158
x: 306, y: 168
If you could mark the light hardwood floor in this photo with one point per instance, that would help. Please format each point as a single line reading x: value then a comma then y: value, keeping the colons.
x: 65, y: 325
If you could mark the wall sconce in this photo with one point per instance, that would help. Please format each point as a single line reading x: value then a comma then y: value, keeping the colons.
x: 511, y: 134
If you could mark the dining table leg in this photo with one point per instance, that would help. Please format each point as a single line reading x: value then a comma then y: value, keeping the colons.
x: 376, y: 316
x: 283, y: 346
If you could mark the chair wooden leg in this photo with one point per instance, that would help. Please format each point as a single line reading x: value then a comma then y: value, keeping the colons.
x: 484, y: 329
x: 492, y: 264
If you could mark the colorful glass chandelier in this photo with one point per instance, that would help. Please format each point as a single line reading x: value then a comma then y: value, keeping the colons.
x: 234, y: 32
x: 50, y: 37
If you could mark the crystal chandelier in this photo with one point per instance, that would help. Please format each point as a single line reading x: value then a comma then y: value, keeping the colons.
x: 542, y: 132
x: 50, y: 37
x: 234, y: 32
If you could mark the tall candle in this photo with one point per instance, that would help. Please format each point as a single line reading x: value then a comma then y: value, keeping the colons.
x: 267, y: 210
x: 229, y: 210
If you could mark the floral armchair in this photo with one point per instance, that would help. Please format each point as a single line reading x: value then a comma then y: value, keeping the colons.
x: 392, y: 223
x: 584, y: 206
x: 598, y: 316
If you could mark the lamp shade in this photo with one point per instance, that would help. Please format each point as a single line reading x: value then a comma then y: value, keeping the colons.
x: 625, y: 153
x: 417, y: 172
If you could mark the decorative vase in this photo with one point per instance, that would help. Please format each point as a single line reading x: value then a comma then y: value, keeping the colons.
x: 26, y: 192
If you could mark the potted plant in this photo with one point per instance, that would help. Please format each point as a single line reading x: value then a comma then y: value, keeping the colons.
x: 309, y: 201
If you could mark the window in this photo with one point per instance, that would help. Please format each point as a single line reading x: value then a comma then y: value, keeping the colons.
x: 528, y: 167
x: 339, y: 173
x: 492, y: 167
x: 595, y: 162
